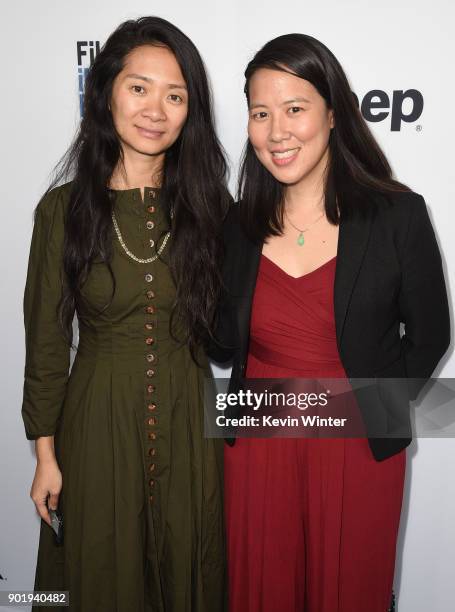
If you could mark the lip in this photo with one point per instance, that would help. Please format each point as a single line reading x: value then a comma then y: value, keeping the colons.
x: 284, y: 161
x: 152, y: 134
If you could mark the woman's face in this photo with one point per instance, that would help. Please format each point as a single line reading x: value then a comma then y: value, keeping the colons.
x: 149, y: 101
x: 289, y: 126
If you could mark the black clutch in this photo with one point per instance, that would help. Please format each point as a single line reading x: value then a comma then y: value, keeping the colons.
x: 57, y: 525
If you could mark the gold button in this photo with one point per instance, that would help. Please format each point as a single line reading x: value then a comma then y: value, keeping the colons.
x: 152, y: 421
x: 150, y: 373
x: 149, y: 341
x: 152, y: 193
x: 150, y: 358
x: 149, y: 326
x: 151, y: 209
x: 148, y: 278
x: 151, y: 388
x: 151, y: 498
x: 152, y: 452
x: 150, y: 225
x: 151, y: 406
x: 150, y: 310
x: 151, y: 482
x: 152, y: 435
x: 152, y: 243
x: 152, y: 467
x: 150, y: 294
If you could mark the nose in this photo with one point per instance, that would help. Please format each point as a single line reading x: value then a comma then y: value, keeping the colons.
x: 278, y: 128
x: 153, y: 109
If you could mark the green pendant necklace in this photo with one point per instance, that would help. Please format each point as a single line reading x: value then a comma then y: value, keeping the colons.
x: 301, y: 237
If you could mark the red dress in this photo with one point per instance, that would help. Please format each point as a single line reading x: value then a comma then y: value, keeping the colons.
x: 311, y: 523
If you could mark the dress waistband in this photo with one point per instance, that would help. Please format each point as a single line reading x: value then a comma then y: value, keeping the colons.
x: 281, y: 360
x: 120, y: 347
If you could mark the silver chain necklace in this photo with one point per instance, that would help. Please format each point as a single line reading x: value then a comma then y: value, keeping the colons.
x: 129, y: 253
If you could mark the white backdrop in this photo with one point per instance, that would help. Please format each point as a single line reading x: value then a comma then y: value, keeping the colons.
x: 388, y: 45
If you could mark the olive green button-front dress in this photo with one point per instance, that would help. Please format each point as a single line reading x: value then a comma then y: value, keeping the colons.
x: 142, y: 487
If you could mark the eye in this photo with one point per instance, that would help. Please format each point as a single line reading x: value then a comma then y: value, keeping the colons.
x: 175, y: 98
x: 293, y: 110
x: 138, y: 89
x: 259, y: 116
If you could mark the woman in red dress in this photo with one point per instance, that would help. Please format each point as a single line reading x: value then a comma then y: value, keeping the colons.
x: 326, y: 256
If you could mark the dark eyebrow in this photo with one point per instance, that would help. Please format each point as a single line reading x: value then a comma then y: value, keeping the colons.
x: 258, y: 105
x: 300, y: 99
x: 176, y: 86
x: 148, y: 80
x: 297, y: 100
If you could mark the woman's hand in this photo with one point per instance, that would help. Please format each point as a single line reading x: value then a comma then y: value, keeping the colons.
x: 48, y: 479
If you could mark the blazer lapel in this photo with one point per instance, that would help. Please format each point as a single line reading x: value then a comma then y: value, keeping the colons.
x: 353, y: 237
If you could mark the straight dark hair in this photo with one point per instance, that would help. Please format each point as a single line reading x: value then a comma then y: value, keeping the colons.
x: 193, y: 184
x: 356, y: 162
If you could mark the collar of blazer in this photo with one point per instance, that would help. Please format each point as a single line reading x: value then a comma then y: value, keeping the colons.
x: 353, y: 239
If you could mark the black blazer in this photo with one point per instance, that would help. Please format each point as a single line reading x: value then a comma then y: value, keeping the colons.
x: 388, y: 271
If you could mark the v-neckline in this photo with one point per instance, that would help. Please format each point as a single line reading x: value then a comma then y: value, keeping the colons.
x: 296, y: 278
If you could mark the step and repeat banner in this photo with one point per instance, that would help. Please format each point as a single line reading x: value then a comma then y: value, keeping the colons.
x: 399, y: 58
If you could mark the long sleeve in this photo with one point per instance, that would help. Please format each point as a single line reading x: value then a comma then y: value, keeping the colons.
x: 47, y: 351
x: 223, y: 346
x: 220, y: 348
x: 423, y: 299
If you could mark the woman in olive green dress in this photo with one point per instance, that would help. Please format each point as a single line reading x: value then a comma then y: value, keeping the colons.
x: 130, y: 246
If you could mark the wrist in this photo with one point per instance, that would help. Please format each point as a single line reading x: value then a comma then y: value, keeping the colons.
x: 44, y: 448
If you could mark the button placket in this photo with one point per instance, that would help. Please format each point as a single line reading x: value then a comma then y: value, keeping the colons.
x: 150, y: 223
x: 150, y: 357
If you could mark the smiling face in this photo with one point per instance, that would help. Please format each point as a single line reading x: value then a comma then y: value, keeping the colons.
x: 289, y: 126
x: 149, y: 102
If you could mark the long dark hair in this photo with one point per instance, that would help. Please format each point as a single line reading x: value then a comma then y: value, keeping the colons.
x: 356, y: 161
x: 193, y: 183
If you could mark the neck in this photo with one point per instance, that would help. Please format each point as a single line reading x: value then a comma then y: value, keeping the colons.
x: 137, y: 171
x: 302, y: 203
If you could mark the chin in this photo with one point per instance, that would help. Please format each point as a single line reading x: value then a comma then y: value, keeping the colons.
x: 287, y: 177
x: 150, y: 150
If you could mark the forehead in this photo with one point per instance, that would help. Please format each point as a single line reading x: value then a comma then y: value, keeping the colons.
x: 278, y: 85
x: 152, y: 61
